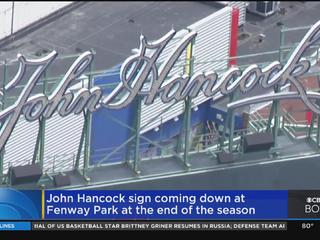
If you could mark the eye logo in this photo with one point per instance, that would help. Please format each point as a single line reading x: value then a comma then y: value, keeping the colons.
x: 16, y: 205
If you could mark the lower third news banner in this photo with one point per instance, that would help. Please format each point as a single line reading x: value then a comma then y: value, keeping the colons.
x: 158, y: 210
x: 164, y: 205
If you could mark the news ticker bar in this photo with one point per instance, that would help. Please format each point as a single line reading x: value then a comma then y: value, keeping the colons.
x: 116, y: 225
x: 144, y: 226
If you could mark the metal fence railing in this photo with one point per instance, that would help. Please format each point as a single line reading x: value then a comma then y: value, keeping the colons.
x: 296, y: 129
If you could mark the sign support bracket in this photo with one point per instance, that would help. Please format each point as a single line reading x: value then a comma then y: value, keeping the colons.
x: 274, y: 112
x: 188, y: 106
x: 136, y: 163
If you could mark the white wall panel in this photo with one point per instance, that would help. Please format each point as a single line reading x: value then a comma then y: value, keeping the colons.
x: 62, y: 137
x: 212, y: 43
x: 5, y: 18
x: 62, y: 140
x: 20, y: 146
x: 24, y: 14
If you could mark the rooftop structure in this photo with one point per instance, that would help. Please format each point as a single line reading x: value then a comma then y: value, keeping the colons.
x: 150, y: 147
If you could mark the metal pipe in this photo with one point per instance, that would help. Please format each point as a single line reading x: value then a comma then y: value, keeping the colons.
x: 83, y: 133
x: 188, y: 103
x: 277, y: 102
x: 231, y: 125
x: 12, y: 17
x: 187, y: 130
x: 136, y: 163
x: 88, y: 119
x: 42, y: 128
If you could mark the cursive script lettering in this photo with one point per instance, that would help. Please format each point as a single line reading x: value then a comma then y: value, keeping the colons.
x: 178, y: 87
x: 40, y: 105
x: 140, y: 75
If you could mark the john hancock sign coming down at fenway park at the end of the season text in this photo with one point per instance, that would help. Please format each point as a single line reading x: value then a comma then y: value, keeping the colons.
x: 141, y: 76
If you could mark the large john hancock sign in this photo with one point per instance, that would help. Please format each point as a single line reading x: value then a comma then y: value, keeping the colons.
x: 141, y: 76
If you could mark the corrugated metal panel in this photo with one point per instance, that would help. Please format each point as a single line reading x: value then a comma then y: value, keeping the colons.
x: 212, y: 43
x: 242, y: 6
x: 62, y: 136
x: 62, y: 141
x: 179, y: 66
x: 20, y: 146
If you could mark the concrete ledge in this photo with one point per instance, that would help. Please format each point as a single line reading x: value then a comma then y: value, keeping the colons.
x: 38, y: 24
